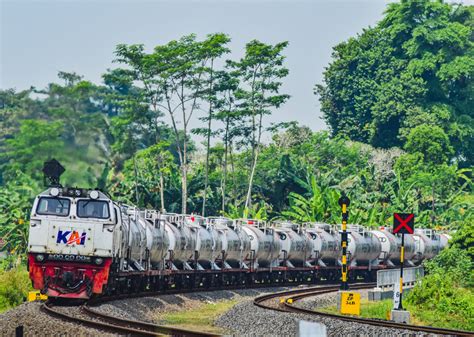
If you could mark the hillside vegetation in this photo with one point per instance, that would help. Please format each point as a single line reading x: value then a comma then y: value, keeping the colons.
x: 397, y: 99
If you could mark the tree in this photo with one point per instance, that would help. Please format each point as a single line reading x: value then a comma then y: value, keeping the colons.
x: 173, y: 78
x: 15, y: 206
x: 212, y: 48
x: 320, y: 204
x: 261, y: 70
x: 431, y: 142
x: 35, y: 142
x: 415, y: 67
x: 226, y: 84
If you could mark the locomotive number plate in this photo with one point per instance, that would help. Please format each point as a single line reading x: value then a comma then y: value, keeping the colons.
x: 69, y: 258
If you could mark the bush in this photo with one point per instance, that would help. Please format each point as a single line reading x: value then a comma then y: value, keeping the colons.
x: 445, y: 297
x: 14, y: 287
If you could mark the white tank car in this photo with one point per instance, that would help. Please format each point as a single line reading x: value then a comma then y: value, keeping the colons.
x: 208, y: 244
x: 295, y: 247
x: 182, y: 247
x: 157, y: 241
x: 363, y: 248
x: 134, y: 236
x: 235, y: 242
x: 390, y: 246
x: 427, y: 244
x: 326, y: 242
x: 444, y: 239
x: 264, y: 243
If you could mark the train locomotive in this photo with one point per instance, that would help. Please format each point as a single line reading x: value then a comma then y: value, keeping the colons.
x: 83, y: 244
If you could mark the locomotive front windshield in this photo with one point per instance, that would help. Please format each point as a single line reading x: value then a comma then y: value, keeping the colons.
x: 53, y: 206
x: 92, y: 209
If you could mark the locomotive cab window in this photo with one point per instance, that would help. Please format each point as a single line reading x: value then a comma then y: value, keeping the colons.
x: 93, y: 209
x: 53, y: 206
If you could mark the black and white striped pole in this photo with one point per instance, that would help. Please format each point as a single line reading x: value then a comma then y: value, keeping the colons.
x: 344, y: 202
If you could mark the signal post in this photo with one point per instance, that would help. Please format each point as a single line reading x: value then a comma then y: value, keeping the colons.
x: 348, y: 302
x: 403, y: 223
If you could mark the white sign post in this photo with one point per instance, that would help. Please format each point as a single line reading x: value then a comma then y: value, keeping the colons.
x: 396, y: 295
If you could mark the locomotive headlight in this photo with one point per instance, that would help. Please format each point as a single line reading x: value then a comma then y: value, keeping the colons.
x: 54, y: 192
x: 78, y: 193
x: 94, y: 195
x: 40, y: 257
x: 98, y: 261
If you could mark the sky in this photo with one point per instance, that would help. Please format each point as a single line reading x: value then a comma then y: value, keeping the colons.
x: 40, y: 38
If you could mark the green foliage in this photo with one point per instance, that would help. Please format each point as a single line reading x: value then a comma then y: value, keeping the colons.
x: 35, y: 142
x: 14, y: 287
x: 431, y: 142
x: 414, y: 68
x: 321, y: 204
x: 15, y: 206
x: 464, y: 236
x: 445, y: 296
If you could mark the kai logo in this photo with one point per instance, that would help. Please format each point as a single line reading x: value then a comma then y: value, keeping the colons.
x: 71, y: 237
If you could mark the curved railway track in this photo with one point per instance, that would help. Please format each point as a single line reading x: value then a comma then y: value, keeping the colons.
x: 295, y: 295
x: 120, y: 325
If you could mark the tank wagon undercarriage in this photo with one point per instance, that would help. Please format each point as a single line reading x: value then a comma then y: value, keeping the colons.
x: 82, y: 244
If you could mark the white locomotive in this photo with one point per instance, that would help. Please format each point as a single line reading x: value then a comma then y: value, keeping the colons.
x: 82, y: 243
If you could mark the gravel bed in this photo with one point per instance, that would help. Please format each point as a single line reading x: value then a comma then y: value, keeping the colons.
x: 244, y: 319
x: 148, y: 309
x: 247, y: 319
x: 37, y: 323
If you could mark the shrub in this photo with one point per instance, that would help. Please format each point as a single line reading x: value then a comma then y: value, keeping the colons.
x: 445, y: 296
x: 14, y: 287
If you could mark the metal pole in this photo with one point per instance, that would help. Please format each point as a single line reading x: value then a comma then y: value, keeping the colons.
x: 402, y: 259
x: 344, y: 203
x: 19, y: 331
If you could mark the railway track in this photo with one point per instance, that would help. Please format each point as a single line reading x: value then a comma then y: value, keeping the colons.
x: 119, y: 325
x: 295, y: 295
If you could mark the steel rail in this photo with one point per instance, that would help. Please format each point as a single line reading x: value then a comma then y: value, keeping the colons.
x: 303, y: 293
x: 120, y: 325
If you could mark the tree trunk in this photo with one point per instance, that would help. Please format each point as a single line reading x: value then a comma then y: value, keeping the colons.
x: 252, y: 174
x: 248, y: 201
x: 232, y: 166
x: 208, y: 145
x: 224, y: 181
x: 184, y: 179
x: 136, y: 180
x: 162, y: 192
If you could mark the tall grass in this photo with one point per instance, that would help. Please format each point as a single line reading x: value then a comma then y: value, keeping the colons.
x: 14, y: 287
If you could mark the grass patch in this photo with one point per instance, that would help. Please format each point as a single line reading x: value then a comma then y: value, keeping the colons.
x: 367, y: 309
x: 14, y: 287
x: 201, y: 318
x: 419, y: 316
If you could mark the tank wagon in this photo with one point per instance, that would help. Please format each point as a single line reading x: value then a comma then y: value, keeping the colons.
x: 83, y: 244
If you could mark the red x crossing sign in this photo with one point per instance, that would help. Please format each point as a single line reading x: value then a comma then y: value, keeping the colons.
x: 403, y: 223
